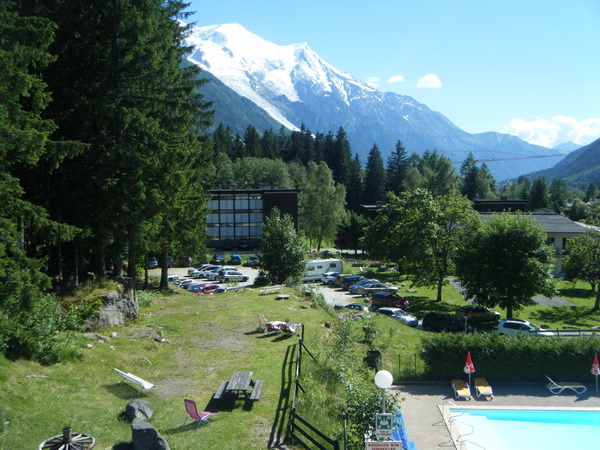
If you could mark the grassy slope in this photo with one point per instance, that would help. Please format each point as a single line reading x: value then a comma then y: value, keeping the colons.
x: 209, y: 337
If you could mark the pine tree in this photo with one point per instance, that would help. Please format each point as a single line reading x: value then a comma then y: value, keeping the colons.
x: 538, y: 195
x: 397, y: 165
x: 375, y: 181
x: 469, y: 173
x: 486, y: 185
x: 120, y: 88
x: 339, y: 163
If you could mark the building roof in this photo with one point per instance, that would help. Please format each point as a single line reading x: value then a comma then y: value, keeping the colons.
x: 550, y: 221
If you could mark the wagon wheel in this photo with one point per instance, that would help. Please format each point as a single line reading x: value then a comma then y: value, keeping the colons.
x: 68, y: 441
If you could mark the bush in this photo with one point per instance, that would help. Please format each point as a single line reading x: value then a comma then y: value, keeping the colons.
x: 508, y: 358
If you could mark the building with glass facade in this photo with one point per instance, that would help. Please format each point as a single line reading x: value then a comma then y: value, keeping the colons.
x: 236, y: 215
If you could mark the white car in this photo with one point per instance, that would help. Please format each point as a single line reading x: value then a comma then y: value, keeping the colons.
x: 518, y: 326
x: 210, y: 271
x: 329, y: 277
x: 402, y: 316
x: 231, y: 275
x: 192, y: 270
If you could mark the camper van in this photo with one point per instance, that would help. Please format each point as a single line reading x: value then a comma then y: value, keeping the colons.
x: 317, y: 267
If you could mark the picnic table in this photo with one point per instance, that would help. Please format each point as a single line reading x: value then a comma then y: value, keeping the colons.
x: 239, y: 386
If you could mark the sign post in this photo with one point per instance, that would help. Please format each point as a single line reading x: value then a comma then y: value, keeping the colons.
x: 383, y: 425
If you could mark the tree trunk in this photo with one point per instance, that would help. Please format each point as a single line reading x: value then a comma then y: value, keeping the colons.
x: 597, y: 304
x: 164, y: 271
x: 439, y: 290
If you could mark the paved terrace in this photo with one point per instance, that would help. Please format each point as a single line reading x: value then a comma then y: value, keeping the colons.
x: 425, y: 424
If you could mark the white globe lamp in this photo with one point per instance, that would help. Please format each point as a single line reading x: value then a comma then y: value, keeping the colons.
x: 383, y: 380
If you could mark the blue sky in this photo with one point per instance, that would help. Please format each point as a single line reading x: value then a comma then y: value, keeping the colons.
x: 525, y: 67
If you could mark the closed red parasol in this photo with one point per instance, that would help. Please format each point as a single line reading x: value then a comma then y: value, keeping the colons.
x: 596, y: 369
x: 469, y: 367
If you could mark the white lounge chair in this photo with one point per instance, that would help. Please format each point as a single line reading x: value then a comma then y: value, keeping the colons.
x: 557, y: 388
x: 482, y: 387
x: 137, y: 380
x: 461, y: 390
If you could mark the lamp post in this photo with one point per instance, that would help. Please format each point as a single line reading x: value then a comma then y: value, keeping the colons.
x: 383, y: 380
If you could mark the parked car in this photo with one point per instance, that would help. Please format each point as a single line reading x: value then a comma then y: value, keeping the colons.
x: 207, y: 288
x: 252, y: 261
x: 354, y: 288
x: 372, y: 288
x: 209, y: 271
x: 152, y: 262
x: 397, y: 313
x: 349, y: 280
x: 231, y: 275
x: 356, y: 306
x: 183, y: 283
x: 169, y: 261
x: 235, y: 260
x: 218, y: 260
x: 518, y: 326
x: 435, y: 321
x: 388, y: 299
x: 192, y: 271
x: 330, y: 277
x: 477, y: 314
x: 184, y: 261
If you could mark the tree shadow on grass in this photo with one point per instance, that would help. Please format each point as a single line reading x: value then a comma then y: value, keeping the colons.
x: 581, y: 316
x: 574, y: 292
x: 279, y: 427
x: 421, y: 305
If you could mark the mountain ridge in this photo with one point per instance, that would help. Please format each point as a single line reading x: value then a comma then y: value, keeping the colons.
x: 294, y: 86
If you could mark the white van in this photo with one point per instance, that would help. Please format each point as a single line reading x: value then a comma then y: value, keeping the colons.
x: 317, y: 267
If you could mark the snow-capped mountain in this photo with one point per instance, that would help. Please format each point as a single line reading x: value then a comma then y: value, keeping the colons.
x: 294, y: 86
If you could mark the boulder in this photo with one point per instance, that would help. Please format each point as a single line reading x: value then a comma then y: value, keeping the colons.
x: 139, y: 409
x: 146, y: 437
x: 118, y: 307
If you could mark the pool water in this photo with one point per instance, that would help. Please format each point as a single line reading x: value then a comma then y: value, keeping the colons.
x: 514, y: 429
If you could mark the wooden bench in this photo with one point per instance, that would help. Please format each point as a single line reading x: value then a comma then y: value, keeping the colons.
x: 270, y: 289
x: 137, y: 380
x: 256, y: 391
x: 221, y: 390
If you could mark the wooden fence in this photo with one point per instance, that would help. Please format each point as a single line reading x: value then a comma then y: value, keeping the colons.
x: 300, y: 429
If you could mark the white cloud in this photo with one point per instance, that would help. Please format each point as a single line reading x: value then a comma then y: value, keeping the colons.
x: 396, y: 79
x: 430, y: 80
x: 555, y: 131
x: 372, y: 82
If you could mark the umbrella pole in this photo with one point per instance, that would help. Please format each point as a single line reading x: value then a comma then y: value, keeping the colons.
x: 596, y: 384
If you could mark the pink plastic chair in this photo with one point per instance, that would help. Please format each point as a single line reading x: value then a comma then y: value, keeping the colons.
x: 190, y: 407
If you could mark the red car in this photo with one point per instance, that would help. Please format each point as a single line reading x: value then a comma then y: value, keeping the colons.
x: 389, y: 299
x: 207, y: 289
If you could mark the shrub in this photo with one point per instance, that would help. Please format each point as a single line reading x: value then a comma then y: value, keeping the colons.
x: 508, y: 358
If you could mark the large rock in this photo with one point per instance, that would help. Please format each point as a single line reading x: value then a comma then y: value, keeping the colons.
x: 145, y: 436
x: 118, y: 307
x: 139, y: 409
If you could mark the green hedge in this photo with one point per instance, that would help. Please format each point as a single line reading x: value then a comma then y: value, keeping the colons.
x: 510, y: 358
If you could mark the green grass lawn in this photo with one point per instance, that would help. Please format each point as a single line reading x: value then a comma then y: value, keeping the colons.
x: 209, y: 337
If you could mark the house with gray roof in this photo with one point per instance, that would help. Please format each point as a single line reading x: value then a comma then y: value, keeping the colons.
x: 559, y: 230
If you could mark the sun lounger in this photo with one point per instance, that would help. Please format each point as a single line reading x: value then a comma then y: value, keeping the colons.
x: 557, y: 388
x: 137, y: 380
x: 483, y: 388
x: 461, y: 390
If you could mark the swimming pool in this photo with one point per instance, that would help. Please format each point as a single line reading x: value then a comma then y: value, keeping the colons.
x: 514, y: 429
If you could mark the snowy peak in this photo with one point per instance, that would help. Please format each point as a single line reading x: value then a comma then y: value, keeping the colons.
x: 262, y: 71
